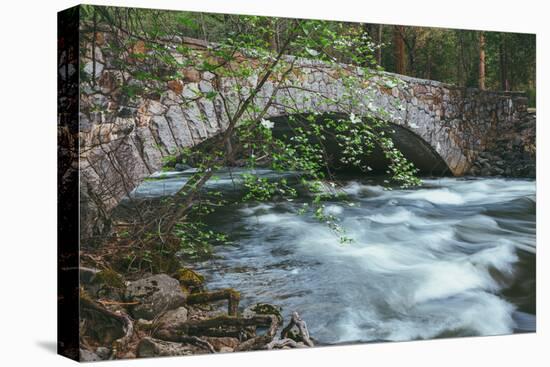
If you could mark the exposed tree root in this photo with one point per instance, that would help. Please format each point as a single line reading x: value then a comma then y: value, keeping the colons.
x: 221, y: 326
x: 116, y: 325
x: 283, y: 343
x: 260, y: 342
x: 150, y: 347
x: 195, y: 340
x: 104, y: 323
x: 232, y: 296
x: 302, y: 332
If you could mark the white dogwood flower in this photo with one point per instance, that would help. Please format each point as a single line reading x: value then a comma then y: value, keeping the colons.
x: 354, y: 119
x: 267, y: 124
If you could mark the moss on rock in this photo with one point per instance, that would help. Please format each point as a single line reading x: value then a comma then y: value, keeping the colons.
x: 190, y: 279
x: 263, y: 309
x: 110, y: 278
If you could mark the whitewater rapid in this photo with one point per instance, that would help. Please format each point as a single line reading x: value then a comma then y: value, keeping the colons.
x: 452, y: 258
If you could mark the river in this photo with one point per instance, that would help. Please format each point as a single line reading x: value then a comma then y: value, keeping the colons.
x: 455, y: 257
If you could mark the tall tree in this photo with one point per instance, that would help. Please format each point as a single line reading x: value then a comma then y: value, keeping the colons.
x: 460, y: 58
x: 399, y: 49
x: 410, y: 37
x: 481, y: 60
x: 379, y: 43
x: 374, y: 32
x: 503, y: 56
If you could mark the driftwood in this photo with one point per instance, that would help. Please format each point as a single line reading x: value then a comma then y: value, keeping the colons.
x: 95, y: 311
x: 302, y: 334
x: 222, y: 326
x: 284, y: 343
x: 232, y: 296
x: 215, y: 327
x: 259, y: 342
x: 270, y: 341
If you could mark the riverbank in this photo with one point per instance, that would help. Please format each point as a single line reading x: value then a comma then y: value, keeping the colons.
x: 162, y: 315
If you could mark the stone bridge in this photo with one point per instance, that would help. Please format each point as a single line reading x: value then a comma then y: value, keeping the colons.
x: 123, y: 141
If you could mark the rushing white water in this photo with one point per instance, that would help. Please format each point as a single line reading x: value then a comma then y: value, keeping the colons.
x: 424, y: 263
x: 452, y: 258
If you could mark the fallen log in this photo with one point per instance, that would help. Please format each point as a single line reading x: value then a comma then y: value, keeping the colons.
x: 232, y: 296
x: 223, y: 326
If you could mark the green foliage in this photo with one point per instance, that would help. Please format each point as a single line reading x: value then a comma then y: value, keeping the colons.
x: 260, y: 189
x: 170, y: 160
x: 132, y: 91
x: 109, y: 278
x: 196, y: 240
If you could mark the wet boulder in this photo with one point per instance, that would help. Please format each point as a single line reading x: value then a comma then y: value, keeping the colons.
x: 154, y: 294
x: 173, y: 318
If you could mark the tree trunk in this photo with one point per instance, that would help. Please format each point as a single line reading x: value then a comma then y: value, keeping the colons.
x: 399, y: 49
x: 378, y: 40
x: 410, y: 44
x: 460, y: 63
x: 481, y: 61
x: 504, y: 83
x: 509, y: 67
x: 274, y: 41
x: 203, y: 28
x: 429, y: 65
x: 374, y: 32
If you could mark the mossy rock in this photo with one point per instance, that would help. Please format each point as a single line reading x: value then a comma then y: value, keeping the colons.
x: 190, y: 279
x: 263, y: 309
x: 109, y: 278
x: 154, y: 294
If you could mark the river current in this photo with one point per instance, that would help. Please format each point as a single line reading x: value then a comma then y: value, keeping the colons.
x: 455, y: 257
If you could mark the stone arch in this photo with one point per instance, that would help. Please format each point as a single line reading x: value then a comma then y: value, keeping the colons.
x: 413, y: 146
x: 447, y: 118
